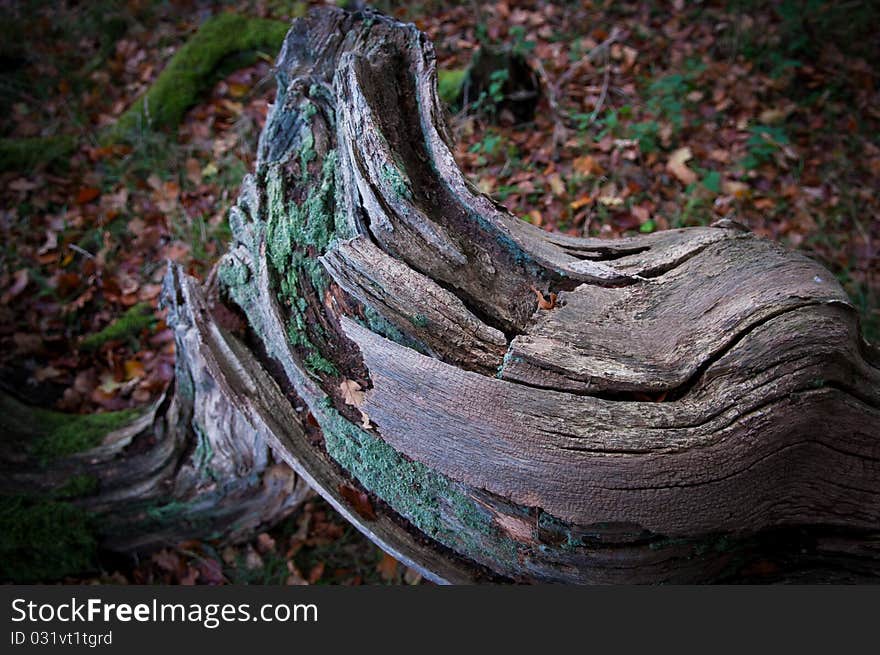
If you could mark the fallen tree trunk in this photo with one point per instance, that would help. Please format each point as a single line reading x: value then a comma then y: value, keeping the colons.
x: 190, y: 466
x: 487, y: 401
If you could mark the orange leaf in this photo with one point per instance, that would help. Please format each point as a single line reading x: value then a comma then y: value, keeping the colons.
x: 387, y: 568
x: 581, y: 202
x: 359, y: 501
x: 133, y: 369
x: 87, y: 194
x: 587, y: 165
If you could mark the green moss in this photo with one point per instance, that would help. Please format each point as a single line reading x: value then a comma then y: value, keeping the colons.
x: 194, y: 67
x: 26, y: 153
x: 449, y: 84
x: 317, y: 364
x: 50, y: 434
x: 419, y: 320
x: 67, y: 434
x: 78, y: 486
x: 43, y: 540
x: 127, y: 326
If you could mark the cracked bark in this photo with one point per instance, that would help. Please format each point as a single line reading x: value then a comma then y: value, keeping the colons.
x: 699, y: 406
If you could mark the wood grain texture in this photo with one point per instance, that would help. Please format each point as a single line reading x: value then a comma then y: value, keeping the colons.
x: 698, y: 401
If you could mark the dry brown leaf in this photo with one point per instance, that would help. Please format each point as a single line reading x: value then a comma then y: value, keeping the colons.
x: 734, y: 188
x: 387, y: 567
x: 352, y: 393
x: 587, y: 165
x: 556, y: 184
x: 359, y: 501
x: 676, y: 165
x: 20, y: 280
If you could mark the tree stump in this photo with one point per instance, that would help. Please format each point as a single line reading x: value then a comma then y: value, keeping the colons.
x: 487, y: 401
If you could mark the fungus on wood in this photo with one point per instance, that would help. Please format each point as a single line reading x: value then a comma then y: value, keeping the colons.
x: 695, y: 405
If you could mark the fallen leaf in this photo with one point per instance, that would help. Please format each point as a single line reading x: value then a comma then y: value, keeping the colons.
x: 543, y: 303
x: 50, y: 244
x: 265, y: 542
x: 210, y: 571
x: 359, y: 501
x: 676, y: 165
x: 86, y: 195
x: 352, y: 393
x: 734, y: 188
x: 411, y: 576
x: 387, y: 567
x: 582, y: 201
x: 19, y: 281
x: 587, y: 165
x: 316, y: 572
x: 46, y: 373
x: 133, y: 369
x: 611, y: 201
x: 556, y: 184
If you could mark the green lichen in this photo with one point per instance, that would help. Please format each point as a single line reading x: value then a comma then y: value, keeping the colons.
x: 233, y: 273
x: 398, y: 181
x: 164, y: 512
x: 419, y: 320
x: 43, y: 540
x: 430, y: 501
x: 127, y: 326
x: 307, y: 153
x: 380, y: 325
x: 296, y: 234
x: 203, y: 455
x: 194, y: 67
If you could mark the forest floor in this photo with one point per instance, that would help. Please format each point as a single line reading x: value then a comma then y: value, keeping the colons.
x: 663, y: 115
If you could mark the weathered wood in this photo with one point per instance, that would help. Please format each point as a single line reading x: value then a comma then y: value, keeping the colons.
x: 697, y: 400
x: 699, y: 404
x: 192, y: 465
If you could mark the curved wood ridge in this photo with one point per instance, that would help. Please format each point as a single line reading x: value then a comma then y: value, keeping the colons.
x: 691, y: 392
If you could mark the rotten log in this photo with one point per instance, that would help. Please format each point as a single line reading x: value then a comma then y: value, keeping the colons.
x: 697, y: 405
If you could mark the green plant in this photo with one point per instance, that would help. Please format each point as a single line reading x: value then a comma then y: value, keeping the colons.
x: 520, y: 45
x: 487, y: 147
x: 763, y: 143
x: 647, y: 133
